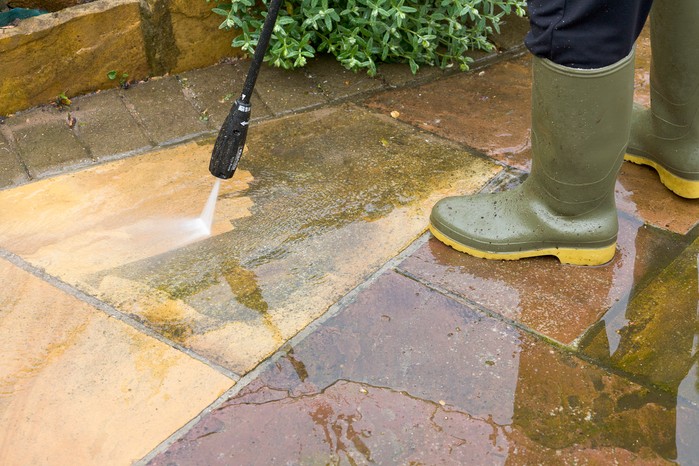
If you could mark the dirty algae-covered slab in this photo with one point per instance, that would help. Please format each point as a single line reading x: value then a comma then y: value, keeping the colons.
x: 78, y: 387
x: 655, y: 337
x: 321, y: 200
x: 405, y: 375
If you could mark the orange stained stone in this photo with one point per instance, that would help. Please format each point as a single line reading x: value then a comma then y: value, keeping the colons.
x: 78, y: 387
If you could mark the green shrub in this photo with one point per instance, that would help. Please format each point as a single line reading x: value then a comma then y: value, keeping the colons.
x: 361, y: 32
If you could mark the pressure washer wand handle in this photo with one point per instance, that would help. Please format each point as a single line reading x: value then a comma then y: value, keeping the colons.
x: 231, y: 139
x: 260, y: 50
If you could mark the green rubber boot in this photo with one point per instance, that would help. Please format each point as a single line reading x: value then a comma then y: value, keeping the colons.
x: 565, y: 208
x: 666, y: 136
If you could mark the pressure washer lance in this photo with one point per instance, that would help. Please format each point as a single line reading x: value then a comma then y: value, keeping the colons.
x: 231, y: 139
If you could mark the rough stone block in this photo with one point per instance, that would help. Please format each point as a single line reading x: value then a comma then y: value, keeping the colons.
x: 50, y: 5
x: 70, y: 51
x: 197, y: 35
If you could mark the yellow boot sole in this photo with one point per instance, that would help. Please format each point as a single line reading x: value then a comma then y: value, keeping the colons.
x: 684, y: 188
x: 573, y: 256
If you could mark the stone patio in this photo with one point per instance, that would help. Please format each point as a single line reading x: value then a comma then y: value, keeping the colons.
x: 319, y: 323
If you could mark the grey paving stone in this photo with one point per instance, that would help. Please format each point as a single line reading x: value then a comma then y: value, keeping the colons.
x: 285, y: 91
x: 46, y: 143
x: 214, y: 89
x: 165, y: 112
x: 399, y: 74
x: 336, y: 81
x: 11, y: 171
x: 106, y: 126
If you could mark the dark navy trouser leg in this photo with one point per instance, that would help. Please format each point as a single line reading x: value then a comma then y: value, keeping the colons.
x: 585, y: 33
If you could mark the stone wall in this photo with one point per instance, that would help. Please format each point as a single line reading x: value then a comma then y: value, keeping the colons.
x: 72, y: 50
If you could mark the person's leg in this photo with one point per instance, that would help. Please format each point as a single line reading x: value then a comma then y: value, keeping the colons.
x: 666, y: 137
x: 585, y: 33
x: 580, y: 127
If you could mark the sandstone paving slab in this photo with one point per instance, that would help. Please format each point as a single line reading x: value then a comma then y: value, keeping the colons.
x: 556, y: 300
x: 216, y: 88
x: 11, y: 171
x: 106, y: 126
x: 321, y: 200
x: 165, y: 112
x: 45, y: 141
x: 78, y: 387
x: 285, y: 91
x: 488, y: 110
x: 405, y: 375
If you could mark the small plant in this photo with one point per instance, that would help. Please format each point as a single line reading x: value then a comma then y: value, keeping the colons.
x: 62, y: 101
x: 123, y: 78
x: 362, y: 32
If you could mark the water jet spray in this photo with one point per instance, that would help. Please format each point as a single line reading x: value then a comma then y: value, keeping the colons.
x: 231, y: 139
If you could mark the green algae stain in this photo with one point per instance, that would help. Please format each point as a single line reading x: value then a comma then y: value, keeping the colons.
x: 656, y: 346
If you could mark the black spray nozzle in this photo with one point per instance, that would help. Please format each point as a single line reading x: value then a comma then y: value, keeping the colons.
x: 231, y: 139
x: 230, y: 142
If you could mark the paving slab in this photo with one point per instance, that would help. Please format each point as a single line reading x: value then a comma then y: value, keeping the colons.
x: 78, y: 387
x: 556, y: 300
x: 46, y: 143
x: 405, y: 375
x: 165, y: 112
x: 336, y: 81
x: 285, y: 91
x: 106, y: 126
x: 216, y: 88
x: 11, y: 170
x: 399, y: 74
x: 654, y: 337
x: 312, y: 192
x: 487, y: 110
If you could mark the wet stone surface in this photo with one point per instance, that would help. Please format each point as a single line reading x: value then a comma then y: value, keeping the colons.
x: 78, y: 387
x: 654, y: 338
x: 286, y: 233
x: 486, y: 110
x: 405, y: 374
x: 556, y: 300
x: 640, y: 193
